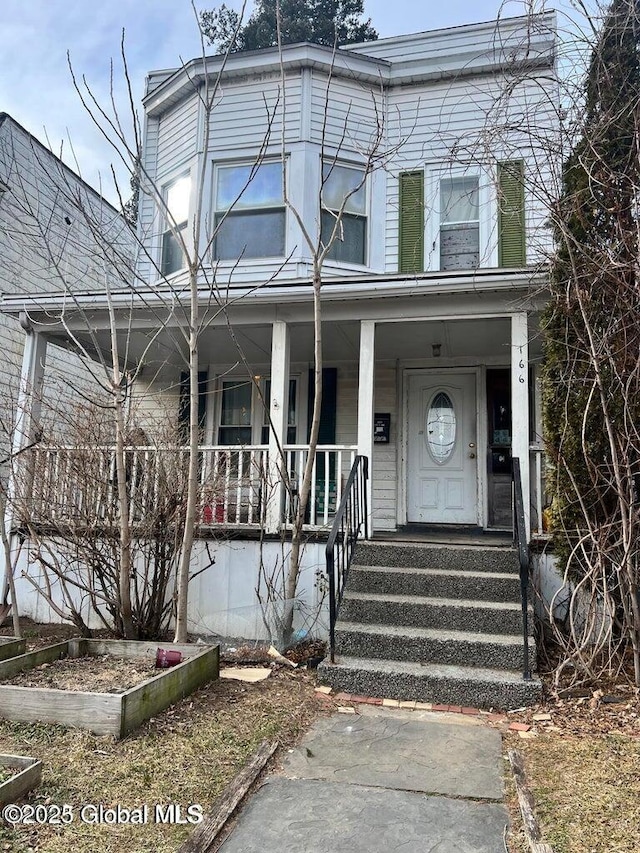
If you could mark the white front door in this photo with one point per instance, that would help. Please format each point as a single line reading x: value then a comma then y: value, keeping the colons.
x: 442, y: 460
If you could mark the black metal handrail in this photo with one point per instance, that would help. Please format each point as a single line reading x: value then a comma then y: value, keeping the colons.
x: 348, y: 525
x: 520, y: 539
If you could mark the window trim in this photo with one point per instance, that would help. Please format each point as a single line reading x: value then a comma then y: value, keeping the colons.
x: 258, y: 414
x: 218, y: 166
x: 487, y: 209
x: 366, y: 216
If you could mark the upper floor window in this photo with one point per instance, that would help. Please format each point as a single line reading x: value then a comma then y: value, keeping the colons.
x: 342, y: 183
x: 465, y: 217
x: 176, y: 199
x: 459, y: 223
x: 249, y: 211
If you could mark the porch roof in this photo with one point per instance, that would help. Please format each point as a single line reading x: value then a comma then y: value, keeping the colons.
x: 48, y: 307
x: 149, y: 318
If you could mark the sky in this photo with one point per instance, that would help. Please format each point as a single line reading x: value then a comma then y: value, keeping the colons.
x: 36, y: 86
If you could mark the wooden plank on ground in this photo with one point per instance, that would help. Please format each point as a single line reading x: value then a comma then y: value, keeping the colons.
x: 98, y: 712
x: 202, y: 838
x: 134, y: 649
x: 527, y: 805
x: 10, y: 647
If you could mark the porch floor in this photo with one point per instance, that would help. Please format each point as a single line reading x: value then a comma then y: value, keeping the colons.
x: 446, y: 535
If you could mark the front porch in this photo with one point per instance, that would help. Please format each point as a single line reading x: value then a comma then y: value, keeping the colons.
x: 434, y: 383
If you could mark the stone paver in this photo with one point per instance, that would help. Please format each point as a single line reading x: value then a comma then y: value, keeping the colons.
x: 404, y: 752
x: 306, y: 816
x: 380, y: 781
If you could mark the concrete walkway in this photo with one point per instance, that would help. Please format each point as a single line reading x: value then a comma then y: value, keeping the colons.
x: 382, y: 780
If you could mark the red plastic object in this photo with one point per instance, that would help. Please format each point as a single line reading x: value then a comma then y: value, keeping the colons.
x: 167, y: 657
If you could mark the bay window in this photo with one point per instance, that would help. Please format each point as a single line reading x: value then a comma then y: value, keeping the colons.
x: 340, y: 183
x: 176, y: 199
x: 249, y: 211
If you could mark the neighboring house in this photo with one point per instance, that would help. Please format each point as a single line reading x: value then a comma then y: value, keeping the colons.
x: 46, y: 244
x: 431, y: 297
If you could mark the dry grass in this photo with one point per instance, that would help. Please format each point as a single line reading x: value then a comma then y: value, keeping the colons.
x: 186, y: 755
x: 587, y: 792
x: 583, y: 768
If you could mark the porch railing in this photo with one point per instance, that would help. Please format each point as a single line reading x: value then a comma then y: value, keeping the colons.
x: 520, y: 539
x: 79, y: 485
x: 349, y: 525
x: 330, y: 471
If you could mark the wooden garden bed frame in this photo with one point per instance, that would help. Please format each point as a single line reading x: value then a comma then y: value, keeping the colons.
x: 11, y: 646
x: 27, y: 777
x: 105, y: 713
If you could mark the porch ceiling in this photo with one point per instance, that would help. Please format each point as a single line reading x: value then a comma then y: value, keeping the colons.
x: 458, y: 339
x: 162, y: 351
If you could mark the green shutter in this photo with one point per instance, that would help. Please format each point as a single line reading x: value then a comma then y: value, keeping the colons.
x: 411, y: 226
x: 511, y: 230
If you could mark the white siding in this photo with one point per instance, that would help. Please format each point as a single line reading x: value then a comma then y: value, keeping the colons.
x: 240, y: 119
x: 351, y: 121
x: 456, y: 48
x: 385, y: 463
x: 177, y: 137
x: 347, y: 404
x: 47, y: 246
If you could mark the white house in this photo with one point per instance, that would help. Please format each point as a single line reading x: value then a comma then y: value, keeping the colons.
x: 439, y: 142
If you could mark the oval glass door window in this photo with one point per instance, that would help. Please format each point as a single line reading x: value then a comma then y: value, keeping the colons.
x: 441, y: 428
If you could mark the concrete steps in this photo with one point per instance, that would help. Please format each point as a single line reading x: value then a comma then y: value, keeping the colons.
x: 468, y: 686
x: 422, y: 612
x: 448, y: 583
x: 431, y: 645
x: 435, y: 623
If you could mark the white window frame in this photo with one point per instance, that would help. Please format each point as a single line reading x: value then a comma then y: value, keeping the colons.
x: 258, y: 415
x: 487, y: 210
x: 358, y: 167
x: 230, y: 164
x: 167, y: 227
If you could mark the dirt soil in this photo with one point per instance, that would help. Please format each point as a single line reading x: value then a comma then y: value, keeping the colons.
x: 91, y: 674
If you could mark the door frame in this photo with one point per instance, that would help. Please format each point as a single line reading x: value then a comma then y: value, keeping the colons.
x: 478, y: 371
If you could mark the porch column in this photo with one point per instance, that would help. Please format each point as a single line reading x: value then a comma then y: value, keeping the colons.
x: 27, y: 415
x: 520, y: 405
x: 279, y: 414
x: 29, y: 401
x: 366, y: 403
